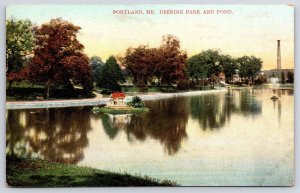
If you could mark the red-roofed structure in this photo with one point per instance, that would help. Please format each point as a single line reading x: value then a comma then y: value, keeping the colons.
x: 117, y: 95
x: 118, y: 101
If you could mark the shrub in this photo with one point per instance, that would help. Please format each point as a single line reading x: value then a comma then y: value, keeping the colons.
x: 183, y: 84
x: 136, y: 102
x: 260, y: 79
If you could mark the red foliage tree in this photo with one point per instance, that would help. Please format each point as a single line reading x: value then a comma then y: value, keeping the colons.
x: 166, y: 63
x: 141, y: 63
x: 58, y: 57
x: 172, y: 62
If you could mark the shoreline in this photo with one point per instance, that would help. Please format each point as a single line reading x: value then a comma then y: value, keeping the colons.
x: 29, y: 173
x: 99, y: 101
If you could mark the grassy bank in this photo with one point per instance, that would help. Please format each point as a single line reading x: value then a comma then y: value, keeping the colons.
x: 133, y: 90
x: 22, y: 172
x: 119, y: 111
x: 28, y: 92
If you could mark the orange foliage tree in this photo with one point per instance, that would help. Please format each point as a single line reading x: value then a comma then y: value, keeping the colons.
x: 172, y: 62
x: 58, y: 57
x: 166, y: 63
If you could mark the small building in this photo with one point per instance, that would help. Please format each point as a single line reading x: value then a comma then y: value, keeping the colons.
x: 117, y: 100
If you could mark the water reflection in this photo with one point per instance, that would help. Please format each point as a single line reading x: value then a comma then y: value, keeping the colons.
x: 53, y: 134
x: 214, y: 111
x: 112, y: 123
x: 209, y: 111
x: 61, y: 134
x: 166, y: 122
x: 249, y: 105
x: 230, y: 138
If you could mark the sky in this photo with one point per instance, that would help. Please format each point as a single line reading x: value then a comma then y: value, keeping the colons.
x: 244, y: 30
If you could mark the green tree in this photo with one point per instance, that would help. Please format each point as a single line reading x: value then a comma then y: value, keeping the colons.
x: 290, y: 77
x: 195, y: 69
x: 110, y: 75
x: 229, y: 67
x: 283, y: 81
x: 207, y: 64
x: 19, y: 44
x: 249, y: 67
x: 96, y: 63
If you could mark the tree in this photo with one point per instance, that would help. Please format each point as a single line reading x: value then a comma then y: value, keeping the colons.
x: 283, y: 78
x: 195, y: 68
x: 141, y: 62
x: 110, y: 75
x: 290, y: 77
x: 172, y: 61
x: 249, y: 67
x: 229, y: 67
x: 58, y: 57
x: 166, y: 63
x: 207, y: 64
x: 96, y: 63
x: 19, y: 45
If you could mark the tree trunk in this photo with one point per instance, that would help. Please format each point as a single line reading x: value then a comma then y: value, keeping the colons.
x: 47, y: 94
x: 158, y: 81
x: 10, y: 86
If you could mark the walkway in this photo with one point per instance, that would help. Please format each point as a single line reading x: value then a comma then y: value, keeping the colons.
x: 98, y: 100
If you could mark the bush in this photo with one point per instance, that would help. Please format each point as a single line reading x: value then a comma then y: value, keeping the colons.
x: 183, y: 84
x: 260, y: 79
x: 136, y: 102
x: 290, y: 77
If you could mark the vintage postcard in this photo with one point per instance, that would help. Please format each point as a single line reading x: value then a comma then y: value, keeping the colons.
x: 149, y: 95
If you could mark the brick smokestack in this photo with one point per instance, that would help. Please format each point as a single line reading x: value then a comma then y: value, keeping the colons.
x: 278, y: 55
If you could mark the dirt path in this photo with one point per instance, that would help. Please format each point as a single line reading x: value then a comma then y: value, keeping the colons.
x: 98, y: 100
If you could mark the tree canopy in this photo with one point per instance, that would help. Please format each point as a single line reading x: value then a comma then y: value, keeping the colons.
x: 290, y: 77
x: 19, y: 44
x: 249, y: 66
x: 141, y: 62
x: 166, y: 63
x: 229, y: 67
x: 172, y: 62
x: 96, y: 63
x: 58, y: 57
x: 110, y: 75
x: 207, y: 64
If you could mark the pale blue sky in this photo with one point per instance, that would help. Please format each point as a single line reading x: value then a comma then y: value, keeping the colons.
x: 250, y: 30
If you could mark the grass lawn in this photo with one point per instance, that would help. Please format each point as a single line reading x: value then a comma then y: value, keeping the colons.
x: 29, y: 92
x: 21, y: 172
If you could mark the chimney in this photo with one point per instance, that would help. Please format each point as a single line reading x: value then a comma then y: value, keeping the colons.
x: 278, y: 55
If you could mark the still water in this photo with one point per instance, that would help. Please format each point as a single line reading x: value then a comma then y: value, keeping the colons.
x: 239, y: 137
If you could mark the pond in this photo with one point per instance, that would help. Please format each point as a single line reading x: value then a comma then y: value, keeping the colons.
x: 237, y: 137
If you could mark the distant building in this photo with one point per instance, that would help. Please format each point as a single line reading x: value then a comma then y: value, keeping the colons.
x: 276, y: 72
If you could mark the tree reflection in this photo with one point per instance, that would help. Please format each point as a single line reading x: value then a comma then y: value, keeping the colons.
x: 166, y: 121
x: 214, y: 111
x: 207, y: 110
x: 53, y: 134
x: 112, y: 123
x: 249, y: 105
